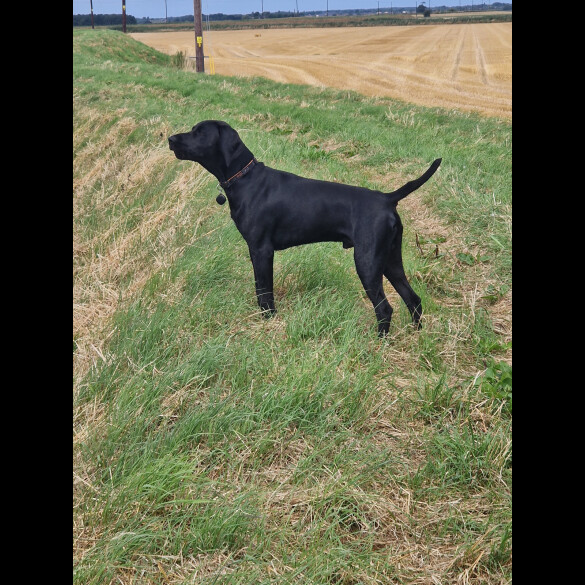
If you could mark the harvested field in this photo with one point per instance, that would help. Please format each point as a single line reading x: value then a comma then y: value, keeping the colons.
x: 460, y: 66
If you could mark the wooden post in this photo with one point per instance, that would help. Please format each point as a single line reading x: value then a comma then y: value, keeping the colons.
x: 199, y: 65
x: 123, y: 15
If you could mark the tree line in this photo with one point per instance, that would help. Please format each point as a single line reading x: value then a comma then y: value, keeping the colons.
x: 103, y: 19
x: 116, y: 19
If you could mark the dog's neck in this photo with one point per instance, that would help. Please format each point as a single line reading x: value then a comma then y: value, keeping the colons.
x: 226, y: 167
x: 240, y: 173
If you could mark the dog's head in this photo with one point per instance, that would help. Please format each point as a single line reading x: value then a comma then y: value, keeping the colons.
x: 209, y: 143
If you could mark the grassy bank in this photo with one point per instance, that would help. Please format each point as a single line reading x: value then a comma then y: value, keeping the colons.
x: 213, y: 446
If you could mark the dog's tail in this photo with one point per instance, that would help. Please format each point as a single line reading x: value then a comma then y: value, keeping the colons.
x: 396, y: 196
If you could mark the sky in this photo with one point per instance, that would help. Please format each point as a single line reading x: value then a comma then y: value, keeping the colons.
x: 156, y: 8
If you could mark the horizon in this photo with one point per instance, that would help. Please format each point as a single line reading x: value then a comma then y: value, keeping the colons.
x: 175, y: 8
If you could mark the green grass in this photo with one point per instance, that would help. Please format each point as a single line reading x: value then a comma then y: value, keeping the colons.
x: 214, y: 446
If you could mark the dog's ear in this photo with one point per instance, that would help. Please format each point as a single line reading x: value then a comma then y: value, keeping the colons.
x: 229, y: 142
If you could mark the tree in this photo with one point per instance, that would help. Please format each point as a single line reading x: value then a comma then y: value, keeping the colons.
x: 102, y: 19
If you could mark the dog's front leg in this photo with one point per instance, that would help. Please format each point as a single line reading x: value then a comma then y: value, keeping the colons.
x: 263, y: 262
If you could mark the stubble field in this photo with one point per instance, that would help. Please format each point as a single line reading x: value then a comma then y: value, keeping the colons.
x: 461, y: 66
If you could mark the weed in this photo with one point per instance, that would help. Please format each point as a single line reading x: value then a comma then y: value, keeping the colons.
x: 496, y: 382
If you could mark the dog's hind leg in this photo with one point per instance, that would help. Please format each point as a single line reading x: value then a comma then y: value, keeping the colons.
x: 394, y: 272
x: 371, y: 276
x: 263, y: 262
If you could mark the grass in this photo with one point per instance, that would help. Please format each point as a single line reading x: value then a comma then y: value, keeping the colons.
x: 213, y: 446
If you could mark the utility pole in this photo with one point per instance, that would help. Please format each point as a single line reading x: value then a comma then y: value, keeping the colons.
x: 199, y: 66
x: 124, y: 16
x: 166, y: 18
x: 91, y: 8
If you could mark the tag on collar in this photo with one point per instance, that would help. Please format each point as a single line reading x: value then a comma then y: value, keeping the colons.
x: 220, y: 197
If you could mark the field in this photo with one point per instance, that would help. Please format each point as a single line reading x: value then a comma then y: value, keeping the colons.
x: 462, y: 66
x: 213, y: 446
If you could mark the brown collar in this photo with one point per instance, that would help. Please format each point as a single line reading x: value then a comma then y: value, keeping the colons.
x: 239, y: 174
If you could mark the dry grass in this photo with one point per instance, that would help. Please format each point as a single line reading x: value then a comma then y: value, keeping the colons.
x: 115, y: 262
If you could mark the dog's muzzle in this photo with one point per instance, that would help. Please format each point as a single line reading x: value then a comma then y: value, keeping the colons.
x: 175, y: 146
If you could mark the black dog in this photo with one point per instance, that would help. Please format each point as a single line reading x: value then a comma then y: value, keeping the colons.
x: 274, y: 210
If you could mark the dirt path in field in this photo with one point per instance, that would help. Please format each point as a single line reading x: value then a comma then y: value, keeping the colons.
x: 460, y: 66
